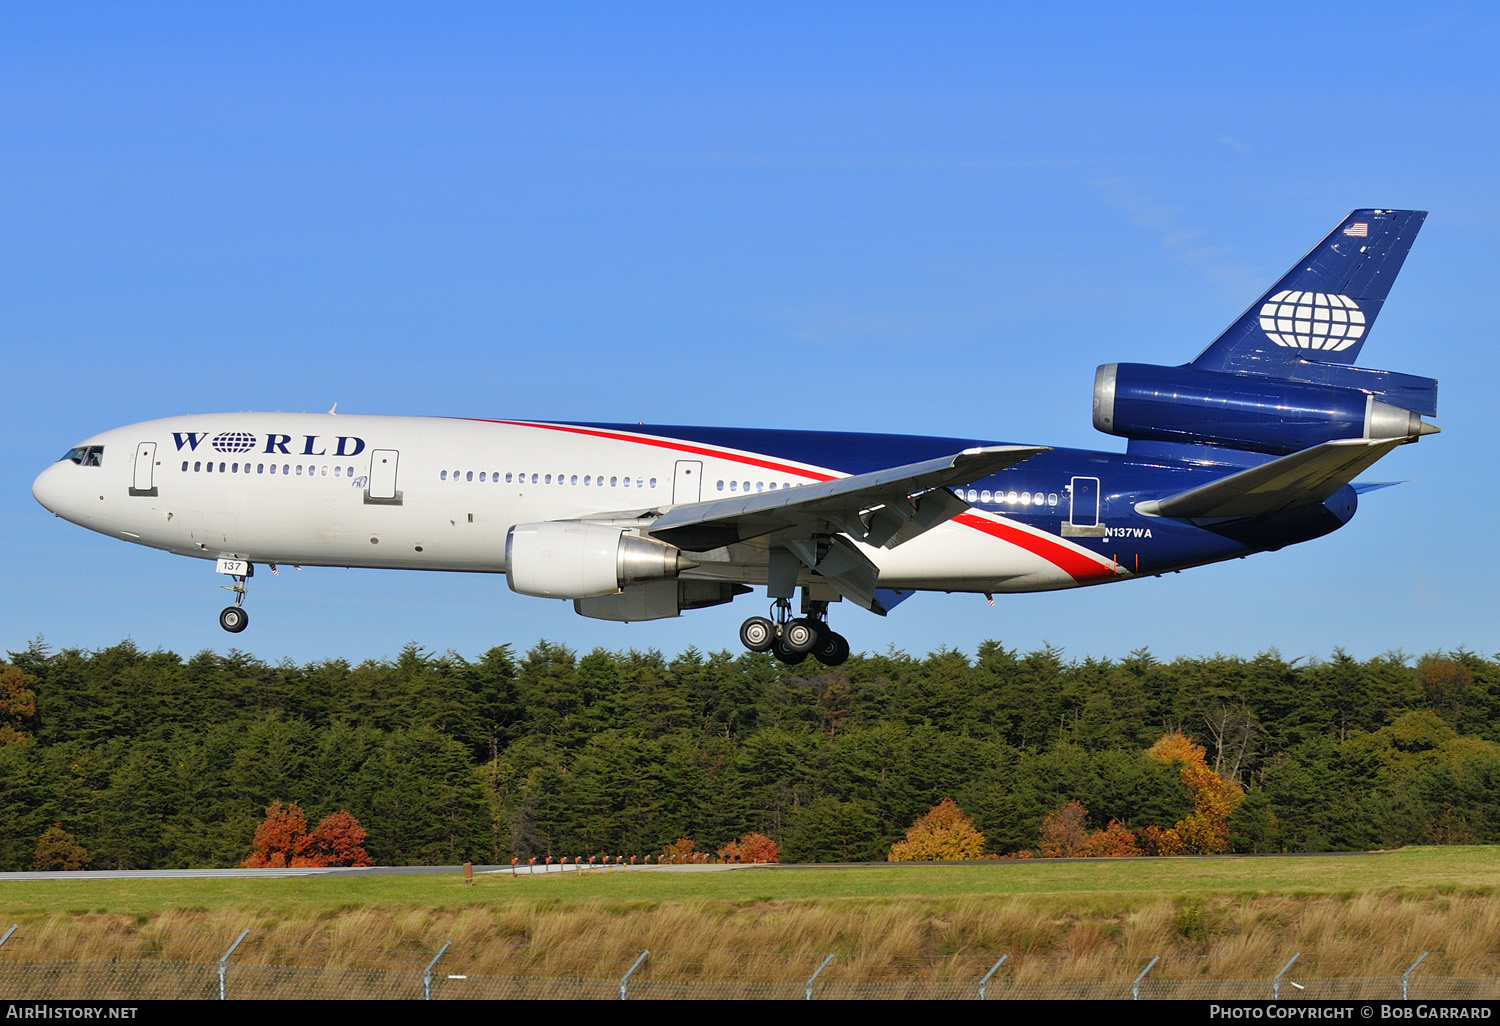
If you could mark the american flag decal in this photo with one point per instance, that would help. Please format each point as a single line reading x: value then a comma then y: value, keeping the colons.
x: 1359, y: 229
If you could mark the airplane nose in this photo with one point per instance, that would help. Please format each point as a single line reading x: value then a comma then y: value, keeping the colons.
x: 49, y: 490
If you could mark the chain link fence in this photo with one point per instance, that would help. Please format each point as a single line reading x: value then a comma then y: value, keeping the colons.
x: 61, y: 961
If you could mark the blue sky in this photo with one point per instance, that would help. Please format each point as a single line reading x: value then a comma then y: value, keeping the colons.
x: 869, y: 217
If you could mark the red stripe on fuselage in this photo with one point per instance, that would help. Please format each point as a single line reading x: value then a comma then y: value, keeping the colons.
x: 1076, y: 564
x: 661, y: 443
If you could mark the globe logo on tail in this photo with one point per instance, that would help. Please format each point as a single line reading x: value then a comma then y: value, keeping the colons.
x: 1312, y: 320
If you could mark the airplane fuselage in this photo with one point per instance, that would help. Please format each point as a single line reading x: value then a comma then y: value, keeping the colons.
x: 420, y: 493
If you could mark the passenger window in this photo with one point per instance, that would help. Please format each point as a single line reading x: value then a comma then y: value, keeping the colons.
x: 586, y: 479
x: 208, y: 468
x: 286, y: 468
x: 184, y: 464
x: 653, y: 482
x: 533, y: 479
x: 734, y: 486
x: 627, y: 482
x: 747, y: 486
x: 198, y: 466
x: 325, y: 471
x: 548, y: 479
x: 469, y: 476
x: 443, y: 475
x: 614, y: 482
x: 338, y: 471
x: 481, y: 477
x: 234, y: 468
x: 273, y: 468
x: 221, y: 468
x: 984, y: 496
x: 760, y: 486
x: 299, y: 470
x: 1052, y: 498
x: 507, y: 479
x: 260, y: 468
x: 573, y: 479
x: 721, y: 486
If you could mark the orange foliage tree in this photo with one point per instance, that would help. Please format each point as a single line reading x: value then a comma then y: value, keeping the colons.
x: 1205, y: 830
x: 750, y: 848
x: 943, y: 834
x: 1066, y: 835
x: 282, y: 840
x: 684, y: 849
x: 338, y: 840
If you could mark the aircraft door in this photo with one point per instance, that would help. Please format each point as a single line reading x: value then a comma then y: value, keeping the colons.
x: 1084, y: 511
x: 687, y: 482
x: 382, y: 487
x: 143, y: 477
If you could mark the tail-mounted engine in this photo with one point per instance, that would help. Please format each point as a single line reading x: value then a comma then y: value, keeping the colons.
x: 1247, y: 411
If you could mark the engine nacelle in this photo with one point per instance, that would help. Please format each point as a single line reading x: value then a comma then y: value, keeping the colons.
x: 1239, y: 411
x: 571, y: 560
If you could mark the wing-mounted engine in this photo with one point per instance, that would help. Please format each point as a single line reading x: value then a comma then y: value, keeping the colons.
x: 1254, y: 412
x: 571, y: 560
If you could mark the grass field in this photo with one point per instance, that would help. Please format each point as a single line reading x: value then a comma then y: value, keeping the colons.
x: 1365, y: 906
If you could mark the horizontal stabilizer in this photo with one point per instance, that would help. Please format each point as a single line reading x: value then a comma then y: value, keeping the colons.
x: 1366, y: 487
x: 884, y: 507
x: 1301, y: 479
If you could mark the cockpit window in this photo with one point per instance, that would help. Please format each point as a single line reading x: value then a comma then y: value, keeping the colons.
x: 85, y: 455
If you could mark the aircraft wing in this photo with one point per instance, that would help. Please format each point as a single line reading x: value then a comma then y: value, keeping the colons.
x: 1301, y: 479
x: 885, y: 507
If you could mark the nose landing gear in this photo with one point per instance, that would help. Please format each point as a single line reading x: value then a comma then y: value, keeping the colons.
x: 234, y: 618
x: 793, y: 640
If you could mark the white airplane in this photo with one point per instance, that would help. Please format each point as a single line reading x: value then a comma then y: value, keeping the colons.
x: 1251, y: 447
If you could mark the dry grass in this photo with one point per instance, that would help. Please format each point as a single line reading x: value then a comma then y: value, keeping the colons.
x: 1367, y: 926
x: 764, y: 931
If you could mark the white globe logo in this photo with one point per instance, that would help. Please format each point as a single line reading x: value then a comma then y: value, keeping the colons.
x: 233, y: 441
x: 1312, y: 320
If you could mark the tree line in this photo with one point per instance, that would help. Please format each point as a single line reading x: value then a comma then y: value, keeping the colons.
x: 150, y: 760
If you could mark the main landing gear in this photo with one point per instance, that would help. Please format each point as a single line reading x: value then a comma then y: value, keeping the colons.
x: 792, y: 641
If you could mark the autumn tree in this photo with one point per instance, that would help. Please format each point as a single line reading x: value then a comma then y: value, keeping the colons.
x: 750, y: 848
x: 17, y: 705
x: 943, y: 834
x: 1065, y: 835
x: 282, y: 840
x: 1205, y: 830
x: 684, y: 849
x: 57, y: 849
x: 338, y: 840
x: 1064, y: 832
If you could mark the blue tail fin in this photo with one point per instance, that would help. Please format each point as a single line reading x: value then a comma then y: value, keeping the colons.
x: 1322, y: 309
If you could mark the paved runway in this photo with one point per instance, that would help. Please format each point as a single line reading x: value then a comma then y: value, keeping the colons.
x: 261, y: 874
x: 525, y: 870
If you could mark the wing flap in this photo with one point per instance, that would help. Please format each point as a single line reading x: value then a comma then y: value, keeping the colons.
x: 885, y: 507
x: 1301, y: 479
